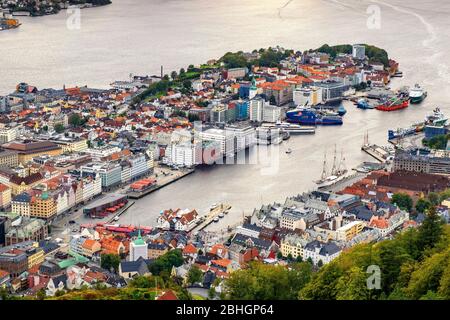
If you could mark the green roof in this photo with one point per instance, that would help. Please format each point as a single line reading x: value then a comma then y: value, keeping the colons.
x: 139, y: 241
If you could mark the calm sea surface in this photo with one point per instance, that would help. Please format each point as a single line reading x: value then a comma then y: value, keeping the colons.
x: 137, y: 36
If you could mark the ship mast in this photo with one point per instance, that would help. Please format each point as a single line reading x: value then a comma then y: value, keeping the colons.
x: 334, y: 168
x: 342, y: 167
x: 324, y: 170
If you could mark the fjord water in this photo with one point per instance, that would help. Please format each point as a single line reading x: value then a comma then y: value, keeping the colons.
x: 136, y: 36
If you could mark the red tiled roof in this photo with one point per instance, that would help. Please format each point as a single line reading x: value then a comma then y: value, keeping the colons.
x: 168, y: 295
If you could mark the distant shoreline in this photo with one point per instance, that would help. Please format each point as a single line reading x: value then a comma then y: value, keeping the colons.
x: 28, y: 13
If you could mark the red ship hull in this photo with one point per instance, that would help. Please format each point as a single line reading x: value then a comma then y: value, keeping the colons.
x: 398, y: 106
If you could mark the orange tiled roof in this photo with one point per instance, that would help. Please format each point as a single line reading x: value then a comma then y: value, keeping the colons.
x: 190, y: 249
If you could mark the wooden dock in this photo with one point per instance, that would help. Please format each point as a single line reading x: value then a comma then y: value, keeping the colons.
x: 207, y: 219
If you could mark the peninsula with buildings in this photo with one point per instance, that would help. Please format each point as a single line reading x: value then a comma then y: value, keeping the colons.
x: 74, y: 160
x: 41, y: 8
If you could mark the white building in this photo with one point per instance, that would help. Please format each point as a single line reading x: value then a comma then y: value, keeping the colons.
x: 180, y: 154
x: 139, y: 165
x: 319, y: 251
x: 102, y: 152
x: 256, y: 110
x: 310, y: 96
x: 271, y: 113
x: 91, y: 187
x: 245, y: 136
x: 138, y: 249
x: 8, y: 134
x: 224, y: 138
x: 358, y: 51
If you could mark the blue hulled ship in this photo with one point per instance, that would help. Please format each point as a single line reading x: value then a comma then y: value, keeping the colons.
x: 308, y: 116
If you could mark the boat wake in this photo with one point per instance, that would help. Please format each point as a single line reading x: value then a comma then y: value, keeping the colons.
x: 434, y: 59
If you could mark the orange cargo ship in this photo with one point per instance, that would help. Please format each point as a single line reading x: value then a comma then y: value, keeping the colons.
x: 393, y: 104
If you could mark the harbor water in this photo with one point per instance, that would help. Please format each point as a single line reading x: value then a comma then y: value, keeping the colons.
x: 133, y: 36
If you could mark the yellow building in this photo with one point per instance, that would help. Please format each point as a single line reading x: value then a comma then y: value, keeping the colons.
x: 29, y: 149
x: 8, y: 158
x: 5, y: 196
x: 293, y: 245
x: 72, y: 145
x: 349, y: 230
x: 20, y: 204
x: 43, y: 206
x: 35, y: 256
x: 19, y: 184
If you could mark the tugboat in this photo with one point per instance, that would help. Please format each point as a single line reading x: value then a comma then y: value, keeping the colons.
x: 417, y: 94
x: 437, y: 118
x: 393, y: 104
x: 342, y: 111
x: 364, y: 104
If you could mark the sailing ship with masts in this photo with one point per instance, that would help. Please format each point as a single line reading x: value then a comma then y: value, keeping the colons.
x: 338, y: 171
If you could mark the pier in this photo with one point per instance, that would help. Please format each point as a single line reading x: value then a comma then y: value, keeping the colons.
x: 121, y: 211
x: 138, y: 195
x: 376, y: 152
x: 209, y: 217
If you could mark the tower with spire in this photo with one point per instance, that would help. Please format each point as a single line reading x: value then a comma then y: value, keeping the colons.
x: 138, y: 248
x: 253, y: 89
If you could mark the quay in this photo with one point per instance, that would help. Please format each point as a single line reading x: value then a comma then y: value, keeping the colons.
x: 121, y: 211
x: 157, y: 186
x: 376, y: 152
x: 209, y: 217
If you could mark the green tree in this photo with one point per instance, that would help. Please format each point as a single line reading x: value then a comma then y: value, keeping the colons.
x: 392, y: 256
x: 174, y: 75
x: 279, y: 255
x: 320, y: 263
x: 59, y: 128
x: 75, y: 120
x: 403, y: 201
x: 299, y: 258
x: 163, y: 264
x: 266, y: 282
x: 434, y: 198
x: 272, y: 100
x: 353, y: 285
x: 430, y: 231
x: 422, y: 205
x: 194, y: 275
x: 108, y: 261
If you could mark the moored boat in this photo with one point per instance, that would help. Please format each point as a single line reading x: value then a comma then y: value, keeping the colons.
x: 364, y: 104
x: 393, y: 104
x: 311, y: 117
x: 437, y: 118
x: 417, y: 94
